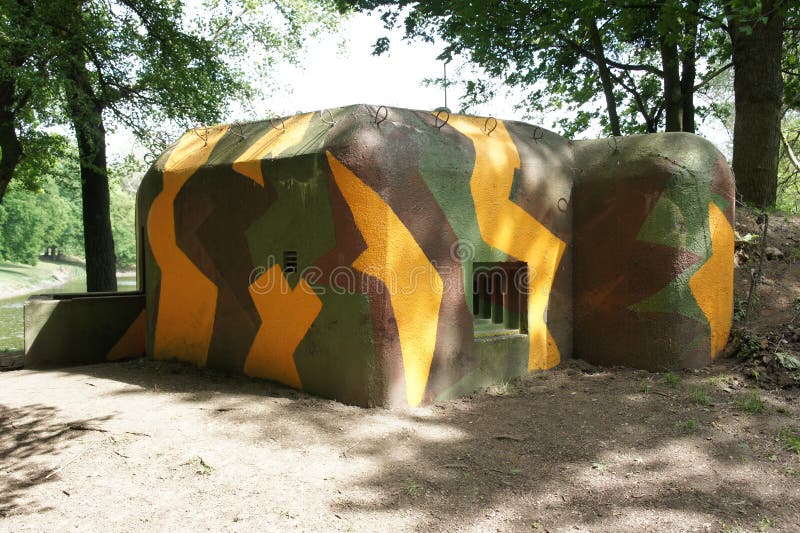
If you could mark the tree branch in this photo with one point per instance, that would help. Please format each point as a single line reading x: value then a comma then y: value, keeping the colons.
x: 790, y: 153
x: 610, y: 62
x: 637, y: 97
x: 711, y: 76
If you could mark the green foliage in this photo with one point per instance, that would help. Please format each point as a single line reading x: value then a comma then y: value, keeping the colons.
x: 671, y: 379
x: 154, y: 67
x: 791, y: 56
x: 787, y: 360
x: 124, y: 179
x: 788, y: 169
x: 555, y: 53
x: 790, y: 440
x: 42, y: 150
x: 150, y: 65
x: 688, y: 425
x: 50, y: 215
x: 551, y: 53
x: 751, y: 403
x: 739, y: 309
x: 700, y: 396
x: 506, y: 388
x: 30, y: 221
x: 748, y: 343
x: 24, y: 221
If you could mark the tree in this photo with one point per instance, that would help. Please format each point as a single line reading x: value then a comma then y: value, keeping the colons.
x: 25, y: 91
x: 124, y: 178
x: 139, y: 63
x: 31, y: 221
x: 789, y: 162
x: 647, y: 60
x: 641, y: 57
x: 13, y: 55
x: 756, y: 30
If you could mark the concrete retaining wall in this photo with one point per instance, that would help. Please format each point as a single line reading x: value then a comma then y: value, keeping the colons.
x: 77, y: 329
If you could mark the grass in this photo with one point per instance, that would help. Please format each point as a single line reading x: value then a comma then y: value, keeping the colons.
x: 506, y: 388
x: 700, y: 396
x: 412, y: 488
x: 17, y: 272
x: 200, y: 466
x: 790, y: 440
x: 671, y: 379
x: 15, y: 277
x: 719, y: 380
x: 751, y: 403
x: 688, y: 425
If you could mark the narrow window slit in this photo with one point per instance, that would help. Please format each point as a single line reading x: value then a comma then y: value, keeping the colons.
x: 290, y: 261
x: 499, y: 303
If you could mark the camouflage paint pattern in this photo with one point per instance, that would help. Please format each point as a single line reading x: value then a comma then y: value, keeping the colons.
x: 336, y: 253
x: 653, y: 262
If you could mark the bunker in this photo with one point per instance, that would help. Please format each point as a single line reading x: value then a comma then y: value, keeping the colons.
x: 384, y: 256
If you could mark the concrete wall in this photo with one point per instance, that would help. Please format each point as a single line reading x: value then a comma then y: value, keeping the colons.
x: 336, y: 254
x: 78, y: 329
x: 653, y: 251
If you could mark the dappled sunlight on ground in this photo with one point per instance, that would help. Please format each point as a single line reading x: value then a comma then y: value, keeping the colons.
x: 166, y: 445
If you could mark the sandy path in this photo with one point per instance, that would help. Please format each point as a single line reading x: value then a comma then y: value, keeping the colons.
x: 187, y: 449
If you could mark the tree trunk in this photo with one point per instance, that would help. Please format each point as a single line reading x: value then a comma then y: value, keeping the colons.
x: 605, y: 77
x: 688, y: 69
x: 673, y: 107
x: 758, y: 96
x: 87, y: 120
x: 688, y: 76
x: 10, y: 147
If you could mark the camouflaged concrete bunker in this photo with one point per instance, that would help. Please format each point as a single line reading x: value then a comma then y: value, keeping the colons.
x: 383, y: 256
x: 379, y: 255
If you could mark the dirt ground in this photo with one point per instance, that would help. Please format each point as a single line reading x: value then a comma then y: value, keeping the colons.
x: 151, y: 445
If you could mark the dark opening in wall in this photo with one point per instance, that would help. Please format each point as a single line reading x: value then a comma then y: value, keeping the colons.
x: 289, y: 261
x: 500, y: 298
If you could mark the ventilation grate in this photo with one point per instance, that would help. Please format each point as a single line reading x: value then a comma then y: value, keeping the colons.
x: 290, y: 261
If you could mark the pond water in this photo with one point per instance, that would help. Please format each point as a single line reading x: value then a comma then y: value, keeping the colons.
x: 11, y: 324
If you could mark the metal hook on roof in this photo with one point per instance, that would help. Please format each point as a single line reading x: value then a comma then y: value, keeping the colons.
x: 330, y: 122
x: 204, y: 135
x: 538, y: 134
x: 238, y: 130
x: 385, y: 115
x: 438, y: 118
x: 282, y: 123
x: 615, y: 147
x: 486, y: 127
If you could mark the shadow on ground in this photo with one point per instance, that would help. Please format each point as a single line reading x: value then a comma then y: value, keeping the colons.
x: 617, y: 449
x: 31, y: 438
